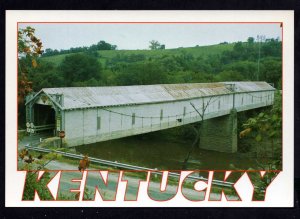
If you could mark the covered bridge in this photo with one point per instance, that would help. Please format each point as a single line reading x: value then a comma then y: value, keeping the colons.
x: 93, y: 114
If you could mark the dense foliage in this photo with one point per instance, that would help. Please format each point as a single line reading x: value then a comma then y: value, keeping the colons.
x: 238, y: 62
x: 266, y: 129
x: 29, y: 48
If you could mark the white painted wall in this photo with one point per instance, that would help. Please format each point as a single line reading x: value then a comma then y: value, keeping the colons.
x: 81, y: 124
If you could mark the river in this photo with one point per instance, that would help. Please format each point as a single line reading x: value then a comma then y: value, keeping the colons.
x: 165, y: 155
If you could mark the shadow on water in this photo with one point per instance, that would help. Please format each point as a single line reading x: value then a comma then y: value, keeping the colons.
x: 165, y: 155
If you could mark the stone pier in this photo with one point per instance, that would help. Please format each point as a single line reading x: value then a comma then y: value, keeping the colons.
x: 220, y: 133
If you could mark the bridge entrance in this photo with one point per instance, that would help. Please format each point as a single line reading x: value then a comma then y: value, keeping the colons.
x: 44, y: 118
x: 44, y: 115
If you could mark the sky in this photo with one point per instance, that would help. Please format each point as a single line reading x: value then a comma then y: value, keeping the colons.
x: 137, y: 36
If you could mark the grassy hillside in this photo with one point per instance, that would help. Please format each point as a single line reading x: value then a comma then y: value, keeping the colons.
x: 97, y: 67
x: 203, y: 51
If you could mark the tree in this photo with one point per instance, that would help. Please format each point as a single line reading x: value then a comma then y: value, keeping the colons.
x: 79, y: 68
x: 201, y: 113
x: 250, y: 40
x: 154, y: 45
x: 271, y: 71
x: 102, y: 45
x: 247, y: 69
x: 272, y: 47
x: 142, y: 73
x: 29, y: 47
x: 266, y: 127
x: 238, y: 52
x: 229, y: 76
x: 45, y: 75
x: 28, y: 44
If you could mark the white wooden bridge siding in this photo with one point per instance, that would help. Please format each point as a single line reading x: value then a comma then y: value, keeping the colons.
x: 83, y: 128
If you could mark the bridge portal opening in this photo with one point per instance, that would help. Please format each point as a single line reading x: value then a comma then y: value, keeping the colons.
x: 44, y: 118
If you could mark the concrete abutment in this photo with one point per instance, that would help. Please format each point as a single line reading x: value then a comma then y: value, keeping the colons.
x: 220, y: 133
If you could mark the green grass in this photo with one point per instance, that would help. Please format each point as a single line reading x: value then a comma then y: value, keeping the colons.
x: 195, y: 51
x: 57, y: 59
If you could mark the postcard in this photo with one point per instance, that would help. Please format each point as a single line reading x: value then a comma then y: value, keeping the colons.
x: 149, y: 108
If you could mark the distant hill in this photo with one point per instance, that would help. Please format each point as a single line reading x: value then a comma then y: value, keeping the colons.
x: 109, y: 54
x: 96, y: 66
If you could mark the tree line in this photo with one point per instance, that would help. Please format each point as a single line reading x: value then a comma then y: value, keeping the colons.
x: 101, y: 45
x: 87, y: 69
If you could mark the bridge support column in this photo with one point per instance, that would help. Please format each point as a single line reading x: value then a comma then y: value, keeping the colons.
x: 220, y: 134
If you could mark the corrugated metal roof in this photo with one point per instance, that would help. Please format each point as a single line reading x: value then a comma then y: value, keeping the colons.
x: 84, y: 97
x: 247, y: 86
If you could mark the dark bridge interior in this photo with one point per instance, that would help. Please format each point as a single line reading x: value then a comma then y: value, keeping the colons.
x: 43, y: 115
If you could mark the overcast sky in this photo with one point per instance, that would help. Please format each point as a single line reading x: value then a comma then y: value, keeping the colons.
x: 137, y: 36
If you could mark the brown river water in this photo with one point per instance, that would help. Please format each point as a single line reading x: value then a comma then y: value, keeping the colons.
x: 165, y: 155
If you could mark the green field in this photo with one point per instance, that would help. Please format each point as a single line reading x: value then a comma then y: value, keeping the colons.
x: 195, y: 51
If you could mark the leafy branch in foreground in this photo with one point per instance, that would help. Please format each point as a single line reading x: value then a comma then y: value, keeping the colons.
x: 32, y: 168
x: 266, y: 129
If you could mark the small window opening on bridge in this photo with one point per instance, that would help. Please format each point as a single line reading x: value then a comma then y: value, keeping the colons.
x: 184, y: 111
x: 161, y: 114
x: 133, y: 118
x: 252, y: 99
x: 98, y: 122
x: 179, y: 120
x: 242, y: 100
x: 219, y: 104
